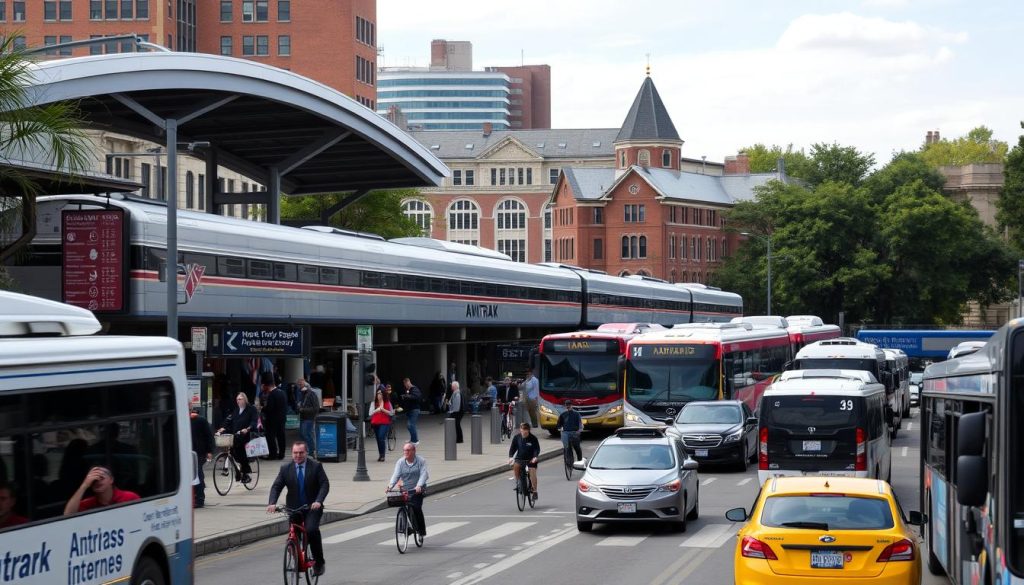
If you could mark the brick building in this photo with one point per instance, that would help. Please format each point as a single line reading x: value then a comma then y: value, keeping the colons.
x: 529, y: 96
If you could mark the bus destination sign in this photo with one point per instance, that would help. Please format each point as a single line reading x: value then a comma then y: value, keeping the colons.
x: 581, y: 346
x: 671, y: 351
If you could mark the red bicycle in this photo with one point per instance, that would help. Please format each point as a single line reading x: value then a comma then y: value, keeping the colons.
x: 297, y: 560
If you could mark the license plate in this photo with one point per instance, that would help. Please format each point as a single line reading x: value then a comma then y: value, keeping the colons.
x: 700, y: 453
x: 627, y: 508
x: 826, y: 559
x: 812, y: 445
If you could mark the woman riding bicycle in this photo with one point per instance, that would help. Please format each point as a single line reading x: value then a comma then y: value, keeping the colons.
x: 411, y: 470
x: 570, y: 423
x: 242, y: 424
x: 525, y: 450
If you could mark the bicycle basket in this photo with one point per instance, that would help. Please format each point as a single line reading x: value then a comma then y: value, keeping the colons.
x: 223, y: 440
x: 395, y: 499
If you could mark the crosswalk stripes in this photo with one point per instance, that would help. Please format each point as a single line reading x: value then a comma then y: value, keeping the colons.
x: 622, y: 541
x: 432, y: 530
x: 488, y: 536
x: 363, y: 531
x: 745, y: 481
x: 710, y: 536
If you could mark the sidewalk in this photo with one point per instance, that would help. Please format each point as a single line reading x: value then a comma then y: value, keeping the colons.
x: 240, y: 517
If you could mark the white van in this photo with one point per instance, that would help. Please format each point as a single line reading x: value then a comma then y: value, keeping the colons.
x: 824, y: 422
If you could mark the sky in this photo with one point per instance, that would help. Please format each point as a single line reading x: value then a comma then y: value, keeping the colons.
x: 873, y: 74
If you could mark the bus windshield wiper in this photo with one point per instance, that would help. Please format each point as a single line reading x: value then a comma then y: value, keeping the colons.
x: 811, y: 525
x: 655, y: 398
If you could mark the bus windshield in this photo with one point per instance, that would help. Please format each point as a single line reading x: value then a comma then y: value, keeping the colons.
x: 672, y: 373
x: 866, y: 365
x: 575, y: 375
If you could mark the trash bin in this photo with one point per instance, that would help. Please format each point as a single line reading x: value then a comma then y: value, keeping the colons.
x: 330, y: 437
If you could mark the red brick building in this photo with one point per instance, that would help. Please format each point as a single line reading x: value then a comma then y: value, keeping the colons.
x: 530, y: 98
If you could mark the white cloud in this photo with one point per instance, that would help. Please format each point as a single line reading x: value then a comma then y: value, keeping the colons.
x: 849, y: 32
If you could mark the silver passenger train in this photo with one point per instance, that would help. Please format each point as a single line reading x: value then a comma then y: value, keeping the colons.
x: 264, y: 272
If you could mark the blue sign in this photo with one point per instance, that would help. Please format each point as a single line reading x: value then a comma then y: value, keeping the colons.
x: 327, y: 440
x: 262, y: 341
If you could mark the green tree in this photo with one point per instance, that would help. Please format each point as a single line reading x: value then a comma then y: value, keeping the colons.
x: 378, y: 212
x: 904, y: 168
x: 765, y: 159
x: 1010, y: 205
x: 52, y: 134
x: 842, y: 164
x: 977, y: 146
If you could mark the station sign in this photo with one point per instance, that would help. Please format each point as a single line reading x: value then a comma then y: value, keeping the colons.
x: 260, y: 340
x: 93, y: 269
x: 514, y: 353
x: 364, y: 337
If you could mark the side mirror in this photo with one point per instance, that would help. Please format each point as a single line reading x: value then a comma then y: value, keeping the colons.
x: 752, y: 421
x: 916, y: 518
x: 580, y: 465
x: 970, y: 434
x: 737, y: 515
x: 971, y: 480
x: 690, y: 464
x: 195, y: 469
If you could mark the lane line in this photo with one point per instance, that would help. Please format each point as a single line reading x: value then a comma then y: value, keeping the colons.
x: 622, y: 541
x: 708, y: 480
x: 455, y: 575
x: 495, y: 533
x: 745, y: 481
x: 708, y: 536
x: 684, y: 572
x: 903, y: 451
x: 439, y: 528
x: 505, y: 564
x: 910, y: 426
x: 671, y: 570
x: 353, y: 534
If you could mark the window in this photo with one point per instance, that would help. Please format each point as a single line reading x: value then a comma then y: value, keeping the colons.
x: 515, y: 249
x: 521, y: 175
x: 625, y: 247
x: 262, y: 10
x: 547, y: 217
x: 365, y: 31
x: 262, y: 45
x: 49, y: 9
x: 19, y: 16
x: 553, y: 176
x: 633, y: 247
x: 634, y: 213
x: 142, y: 10
x: 284, y: 10
x: 456, y: 177
x: 161, y: 187
x: 364, y: 70
x: 225, y: 10
x: 226, y: 46
x: 672, y: 247
x: 110, y: 9
x: 622, y: 159
x: 598, y: 215
x: 202, y: 192
x: 682, y: 250
x: 420, y: 212
x: 190, y: 196
x: 248, y: 45
x: 511, y: 215
x: 643, y: 247
x: 644, y: 158
x: 547, y: 250
x: 529, y: 176
x: 725, y: 248
x: 501, y: 176
x: 598, y: 249
x: 49, y: 41
x: 694, y: 249
x: 65, y: 9
x: 248, y: 8
x: 95, y: 9
x: 463, y: 221
x: 666, y: 158
x: 470, y: 180
x: 511, y: 229
x: 936, y: 424
x: 126, y: 8
x: 284, y: 45
x: 147, y: 173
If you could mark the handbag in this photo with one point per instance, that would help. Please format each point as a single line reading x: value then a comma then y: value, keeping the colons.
x: 257, y: 447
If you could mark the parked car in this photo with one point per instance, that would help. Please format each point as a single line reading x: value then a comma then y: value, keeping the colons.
x: 916, y: 379
x: 721, y: 431
x: 638, y: 474
x: 826, y: 530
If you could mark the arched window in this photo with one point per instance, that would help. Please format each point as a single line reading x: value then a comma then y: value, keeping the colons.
x: 510, y: 234
x: 625, y: 246
x: 710, y: 252
x: 464, y: 222
x: 694, y: 249
x: 420, y: 212
x: 190, y: 193
x: 622, y: 159
x: 633, y: 248
x: 644, y: 158
x: 682, y: 247
x: 643, y: 273
x: 666, y: 158
x: 672, y: 276
x: 623, y: 273
x: 684, y: 277
x: 643, y: 247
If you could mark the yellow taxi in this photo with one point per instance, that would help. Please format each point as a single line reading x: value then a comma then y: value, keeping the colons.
x: 809, y: 530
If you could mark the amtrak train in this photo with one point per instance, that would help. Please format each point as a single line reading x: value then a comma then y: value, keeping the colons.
x: 266, y: 273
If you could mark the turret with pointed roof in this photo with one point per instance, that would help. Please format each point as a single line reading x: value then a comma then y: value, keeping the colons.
x: 647, y: 137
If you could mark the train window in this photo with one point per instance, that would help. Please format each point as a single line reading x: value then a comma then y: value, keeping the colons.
x: 309, y: 273
x: 260, y: 269
x: 205, y: 260
x: 351, y: 277
x: 436, y: 285
x: 284, y: 271
x: 473, y: 288
x: 389, y: 281
x: 227, y: 266
x: 329, y: 275
x: 491, y: 290
x: 370, y: 279
x: 452, y: 287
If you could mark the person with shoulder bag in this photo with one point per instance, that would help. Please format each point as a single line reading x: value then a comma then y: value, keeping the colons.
x: 242, y: 424
x: 381, y: 414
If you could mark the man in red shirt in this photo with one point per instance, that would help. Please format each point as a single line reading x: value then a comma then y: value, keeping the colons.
x: 101, y: 481
x: 7, y: 501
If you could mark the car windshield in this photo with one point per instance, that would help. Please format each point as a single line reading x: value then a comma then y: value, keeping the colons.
x: 916, y: 377
x: 710, y: 414
x: 839, y: 512
x: 625, y: 456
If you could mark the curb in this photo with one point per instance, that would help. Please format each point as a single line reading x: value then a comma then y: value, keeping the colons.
x: 272, y: 528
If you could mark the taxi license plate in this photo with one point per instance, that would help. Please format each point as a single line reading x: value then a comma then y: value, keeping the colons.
x: 700, y: 452
x: 627, y: 508
x: 812, y: 445
x: 826, y: 559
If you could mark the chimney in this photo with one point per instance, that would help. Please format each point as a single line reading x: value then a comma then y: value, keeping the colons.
x: 935, y: 137
x: 738, y: 164
x: 928, y: 138
x: 488, y: 127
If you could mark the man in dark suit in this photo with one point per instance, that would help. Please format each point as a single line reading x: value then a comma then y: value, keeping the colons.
x: 307, y: 486
x: 275, y: 411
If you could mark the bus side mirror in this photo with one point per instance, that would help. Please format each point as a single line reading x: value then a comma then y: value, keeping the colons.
x: 971, y: 480
x: 916, y: 518
x: 970, y: 434
x: 620, y: 367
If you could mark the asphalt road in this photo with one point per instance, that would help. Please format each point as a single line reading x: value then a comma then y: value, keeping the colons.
x: 477, y: 535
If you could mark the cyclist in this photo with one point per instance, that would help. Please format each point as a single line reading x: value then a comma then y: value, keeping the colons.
x: 525, y: 450
x: 411, y: 470
x: 307, y: 484
x: 570, y: 423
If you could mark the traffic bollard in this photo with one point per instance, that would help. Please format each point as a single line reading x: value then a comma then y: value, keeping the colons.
x: 495, y: 426
x: 450, y: 453
x: 476, y: 432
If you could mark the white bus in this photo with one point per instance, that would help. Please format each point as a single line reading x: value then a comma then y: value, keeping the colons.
x: 71, y: 401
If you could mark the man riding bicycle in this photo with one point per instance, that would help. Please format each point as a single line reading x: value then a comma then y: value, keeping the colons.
x: 307, y: 485
x: 525, y: 450
x: 411, y: 470
x: 570, y: 423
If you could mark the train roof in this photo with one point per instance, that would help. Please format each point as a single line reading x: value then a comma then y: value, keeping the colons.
x: 710, y: 332
x: 610, y: 331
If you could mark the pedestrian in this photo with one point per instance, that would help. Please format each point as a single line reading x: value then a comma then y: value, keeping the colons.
x: 381, y: 414
x: 309, y: 407
x: 307, y: 485
x: 275, y: 412
x: 411, y: 398
x: 455, y: 410
x: 202, y: 446
x: 241, y: 422
x: 492, y: 392
x: 531, y: 389
x: 437, y: 391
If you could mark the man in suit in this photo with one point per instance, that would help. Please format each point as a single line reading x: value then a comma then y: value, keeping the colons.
x: 275, y: 411
x: 307, y: 486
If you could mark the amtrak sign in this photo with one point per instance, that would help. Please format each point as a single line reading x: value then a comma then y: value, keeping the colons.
x: 256, y: 340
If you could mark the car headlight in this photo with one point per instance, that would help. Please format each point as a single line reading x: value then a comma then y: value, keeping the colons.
x: 734, y: 437
x: 586, y: 487
x: 546, y: 410
x: 672, y: 486
x: 630, y: 417
x: 615, y: 409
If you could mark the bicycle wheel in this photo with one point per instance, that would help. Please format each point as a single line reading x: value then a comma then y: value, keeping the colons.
x: 254, y: 475
x: 291, y: 563
x: 223, y: 473
x: 392, y: 438
x: 530, y: 498
x: 417, y: 537
x: 567, y: 461
x: 522, y: 489
x: 311, y: 578
x: 402, y: 530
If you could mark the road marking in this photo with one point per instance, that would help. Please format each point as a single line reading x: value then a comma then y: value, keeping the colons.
x: 479, y: 565
x: 439, y: 528
x: 505, y: 564
x: 708, y: 480
x: 745, y: 481
x: 493, y: 534
x: 621, y: 541
x: 910, y: 426
x: 710, y: 536
x: 353, y: 534
x: 455, y: 575
x: 903, y: 452
x: 671, y: 570
x: 684, y: 572
x: 499, y: 556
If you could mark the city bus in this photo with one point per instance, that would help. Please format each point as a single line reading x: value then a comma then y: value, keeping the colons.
x: 705, y: 361
x: 972, y: 447
x: 806, y: 329
x: 70, y: 402
x: 585, y: 367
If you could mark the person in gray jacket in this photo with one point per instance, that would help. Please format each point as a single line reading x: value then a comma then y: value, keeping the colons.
x: 455, y: 410
x: 411, y: 476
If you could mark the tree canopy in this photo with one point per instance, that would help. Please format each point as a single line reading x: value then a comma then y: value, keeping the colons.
x: 765, y: 159
x: 378, y: 212
x: 977, y: 146
x: 1010, y: 205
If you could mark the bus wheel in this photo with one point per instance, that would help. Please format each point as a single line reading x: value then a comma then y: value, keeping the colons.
x: 147, y: 572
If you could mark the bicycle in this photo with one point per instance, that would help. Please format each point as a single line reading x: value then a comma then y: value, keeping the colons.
x: 508, y: 422
x: 297, y: 559
x: 524, y: 486
x: 225, y: 468
x: 568, y: 455
x: 405, y: 520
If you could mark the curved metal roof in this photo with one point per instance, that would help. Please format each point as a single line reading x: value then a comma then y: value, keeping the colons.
x: 264, y: 117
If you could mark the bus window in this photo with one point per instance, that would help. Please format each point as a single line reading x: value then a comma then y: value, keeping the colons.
x: 936, y: 429
x: 1015, y: 464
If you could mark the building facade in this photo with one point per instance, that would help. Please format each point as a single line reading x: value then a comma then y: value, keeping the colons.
x: 529, y: 95
x: 444, y: 100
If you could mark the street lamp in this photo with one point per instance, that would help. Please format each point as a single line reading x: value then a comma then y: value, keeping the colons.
x: 768, y: 241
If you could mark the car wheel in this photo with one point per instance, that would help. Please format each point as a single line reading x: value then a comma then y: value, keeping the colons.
x: 744, y: 461
x: 695, y: 512
x: 584, y: 526
x: 680, y: 526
